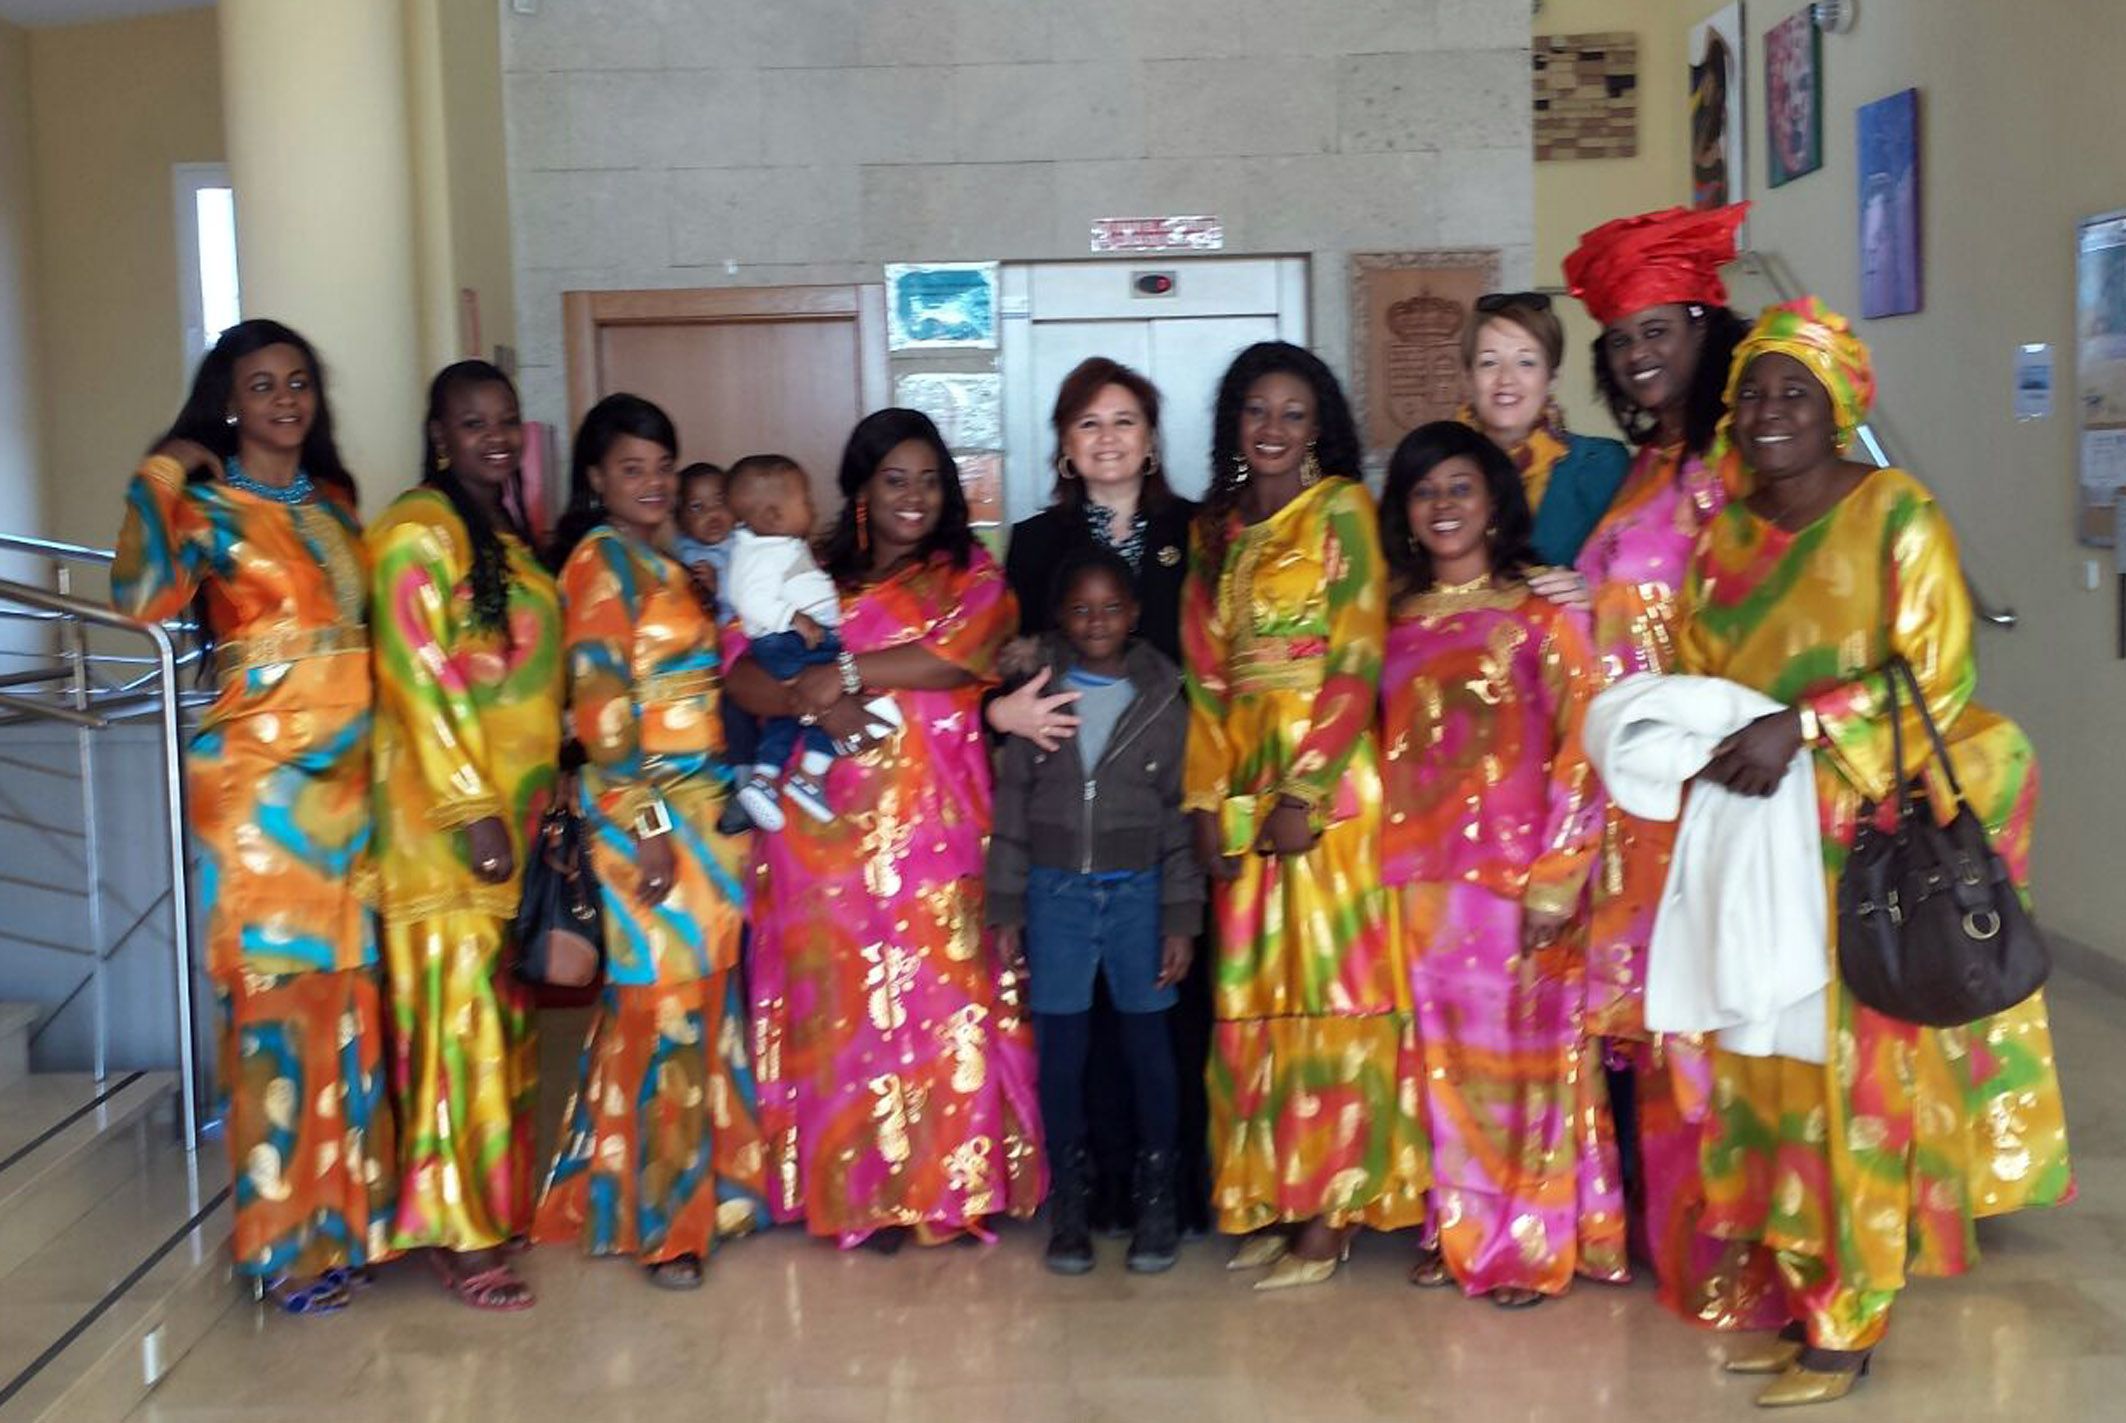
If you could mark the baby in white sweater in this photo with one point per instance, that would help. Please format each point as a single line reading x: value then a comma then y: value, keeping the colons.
x: 791, y: 613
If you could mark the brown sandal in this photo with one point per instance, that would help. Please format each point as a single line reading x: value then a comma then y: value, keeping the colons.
x: 1430, y: 1272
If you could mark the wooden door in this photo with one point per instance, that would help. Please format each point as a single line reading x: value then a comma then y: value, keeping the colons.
x: 741, y: 370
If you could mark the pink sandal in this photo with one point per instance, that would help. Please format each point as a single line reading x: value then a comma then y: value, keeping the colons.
x: 488, y: 1289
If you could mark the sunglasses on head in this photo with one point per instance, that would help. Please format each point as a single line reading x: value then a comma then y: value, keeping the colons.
x: 1499, y: 301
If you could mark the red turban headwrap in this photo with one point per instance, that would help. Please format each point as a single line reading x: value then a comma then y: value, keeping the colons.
x: 1654, y: 259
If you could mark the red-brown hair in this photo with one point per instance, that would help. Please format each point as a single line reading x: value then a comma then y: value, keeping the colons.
x: 1075, y: 396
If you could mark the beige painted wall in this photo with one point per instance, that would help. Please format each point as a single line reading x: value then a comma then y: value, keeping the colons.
x: 114, y: 106
x: 2018, y: 107
x: 474, y: 130
x: 21, y: 492
x: 1573, y: 197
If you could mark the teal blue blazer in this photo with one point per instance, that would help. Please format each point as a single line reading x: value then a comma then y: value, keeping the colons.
x: 1578, y: 495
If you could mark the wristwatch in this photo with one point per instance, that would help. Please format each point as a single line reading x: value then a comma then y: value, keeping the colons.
x: 654, y: 821
x: 1811, y: 727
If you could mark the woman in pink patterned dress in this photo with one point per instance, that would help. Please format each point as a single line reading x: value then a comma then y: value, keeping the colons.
x: 1653, y: 281
x: 895, y: 1059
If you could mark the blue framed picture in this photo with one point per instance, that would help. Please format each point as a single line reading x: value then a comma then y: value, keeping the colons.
x: 937, y: 306
x: 1892, y: 279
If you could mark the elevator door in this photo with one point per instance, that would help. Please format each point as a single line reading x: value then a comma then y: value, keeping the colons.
x: 1182, y: 338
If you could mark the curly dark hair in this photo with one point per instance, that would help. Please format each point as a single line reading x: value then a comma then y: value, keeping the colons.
x: 869, y: 443
x: 490, y: 561
x: 1705, y: 402
x: 616, y: 415
x: 1336, y: 446
x: 1423, y: 450
x: 204, y: 419
x: 1090, y: 558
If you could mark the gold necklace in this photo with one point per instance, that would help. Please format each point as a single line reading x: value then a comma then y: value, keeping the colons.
x: 1480, y: 584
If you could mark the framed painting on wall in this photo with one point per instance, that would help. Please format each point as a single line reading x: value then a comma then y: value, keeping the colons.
x: 941, y: 306
x: 2100, y: 373
x: 1891, y: 276
x: 1793, y: 97
x: 1408, y: 312
x: 1717, y: 174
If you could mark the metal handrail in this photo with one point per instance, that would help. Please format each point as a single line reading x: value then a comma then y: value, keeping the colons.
x: 56, y: 549
x: 170, y: 706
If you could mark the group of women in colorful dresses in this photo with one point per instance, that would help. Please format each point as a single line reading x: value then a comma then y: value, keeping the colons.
x: 1420, y: 1003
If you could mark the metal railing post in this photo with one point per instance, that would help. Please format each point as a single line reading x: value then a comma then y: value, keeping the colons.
x: 180, y: 883
x: 76, y: 650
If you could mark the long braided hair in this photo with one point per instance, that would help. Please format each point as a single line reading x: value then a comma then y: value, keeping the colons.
x: 1335, y: 447
x: 490, y: 560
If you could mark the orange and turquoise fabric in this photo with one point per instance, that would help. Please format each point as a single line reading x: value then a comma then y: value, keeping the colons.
x: 1872, y: 1166
x: 468, y: 726
x: 1493, y: 812
x: 660, y: 1150
x: 894, y: 1050
x: 278, y: 772
x: 1314, y: 1076
x: 645, y: 696
x: 278, y: 797
x: 309, y: 1124
x: 660, y: 1155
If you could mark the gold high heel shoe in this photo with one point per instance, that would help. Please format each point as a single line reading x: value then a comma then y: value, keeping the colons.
x: 1773, y: 1358
x: 1292, y: 1271
x: 1800, y: 1385
x: 1263, y: 1248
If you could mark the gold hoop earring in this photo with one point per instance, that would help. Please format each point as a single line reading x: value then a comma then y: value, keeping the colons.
x: 442, y: 462
x: 1151, y: 466
x: 1310, y: 469
x: 1063, y: 469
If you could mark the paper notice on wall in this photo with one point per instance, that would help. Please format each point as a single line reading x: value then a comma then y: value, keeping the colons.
x: 968, y: 408
x: 2103, y: 464
x: 2033, y: 381
x: 1201, y: 233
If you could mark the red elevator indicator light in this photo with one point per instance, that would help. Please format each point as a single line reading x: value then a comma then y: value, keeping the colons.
x: 1152, y: 284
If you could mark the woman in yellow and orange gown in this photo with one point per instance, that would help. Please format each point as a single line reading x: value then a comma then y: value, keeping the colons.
x: 467, y: 627
x: 1872, y: 1166
x: 1314, y: 1070
x: 245, y: 514
x: 660, y: 1153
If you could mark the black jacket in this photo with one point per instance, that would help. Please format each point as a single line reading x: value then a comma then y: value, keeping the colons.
x: 1125, y: 815
x: 1040, y: 544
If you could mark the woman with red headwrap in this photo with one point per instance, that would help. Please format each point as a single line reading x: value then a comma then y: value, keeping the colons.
x: 1653, y: 281
x: 1872, y: 1165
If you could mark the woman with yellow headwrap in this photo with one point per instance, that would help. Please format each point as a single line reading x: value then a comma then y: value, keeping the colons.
x: 1872, y: 1165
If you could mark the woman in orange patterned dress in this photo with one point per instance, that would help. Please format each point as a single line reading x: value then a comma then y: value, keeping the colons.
x: 660, y: 1153
x: 245, y: 514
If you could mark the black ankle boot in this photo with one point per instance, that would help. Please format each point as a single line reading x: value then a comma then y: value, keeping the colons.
x: 1070, y: 1241
x: 1157, y: 1243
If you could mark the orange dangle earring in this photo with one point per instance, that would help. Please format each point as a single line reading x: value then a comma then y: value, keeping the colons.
x: 863, y: 524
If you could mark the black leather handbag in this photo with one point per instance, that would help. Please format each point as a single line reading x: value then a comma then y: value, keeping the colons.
x: 1930, y: 927
x: 560, y: 927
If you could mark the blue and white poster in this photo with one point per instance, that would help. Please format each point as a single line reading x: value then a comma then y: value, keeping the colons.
x: 1890, y: 273
x: 941, y: 306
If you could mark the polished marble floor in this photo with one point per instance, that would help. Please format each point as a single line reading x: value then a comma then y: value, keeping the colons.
x: 792, y: 1330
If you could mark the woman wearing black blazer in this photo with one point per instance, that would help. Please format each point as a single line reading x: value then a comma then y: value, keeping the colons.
x: 1110, y: 490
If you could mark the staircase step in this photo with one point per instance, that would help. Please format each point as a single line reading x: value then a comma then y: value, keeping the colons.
x: 66, y: 1144
x: 16, y: 1020
x: 91, y: 1319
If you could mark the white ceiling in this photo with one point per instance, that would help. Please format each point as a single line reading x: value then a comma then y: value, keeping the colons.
x: 34, y: 13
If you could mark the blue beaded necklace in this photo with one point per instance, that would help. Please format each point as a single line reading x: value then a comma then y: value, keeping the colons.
x: 297, y: 491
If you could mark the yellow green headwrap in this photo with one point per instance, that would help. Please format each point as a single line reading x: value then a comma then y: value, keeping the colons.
x: 1820, y: 339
